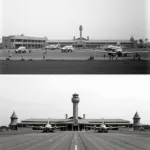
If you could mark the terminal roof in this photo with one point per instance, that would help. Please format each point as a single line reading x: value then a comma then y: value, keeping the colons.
x: 35, y: 120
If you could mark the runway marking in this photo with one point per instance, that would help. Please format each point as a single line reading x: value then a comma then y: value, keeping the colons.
x: 76, y: 147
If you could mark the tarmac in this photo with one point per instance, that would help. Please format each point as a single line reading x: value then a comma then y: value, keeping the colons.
x: 74, y: 140
x: 76, y: 62
x: 77, y: 54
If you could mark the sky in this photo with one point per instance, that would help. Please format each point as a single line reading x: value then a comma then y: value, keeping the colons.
x: 49, y: 96
x: 60, y: 19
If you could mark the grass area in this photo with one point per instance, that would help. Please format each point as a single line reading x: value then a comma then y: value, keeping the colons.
x: 75, y: 67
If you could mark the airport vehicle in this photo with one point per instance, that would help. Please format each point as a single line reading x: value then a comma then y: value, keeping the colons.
x: 52, y: 47
x: 117, y: 51
x: 48, y: 127
x: 67, y: 49
x: 102, y: 128
x: 21, y: 49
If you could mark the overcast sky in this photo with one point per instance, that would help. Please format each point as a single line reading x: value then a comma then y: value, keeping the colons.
x: 49, y: 96
x: 60, y: 19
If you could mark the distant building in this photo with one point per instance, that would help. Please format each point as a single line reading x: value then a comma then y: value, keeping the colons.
x: 37, y: 42
x: 87, y: 43
x: 136, y: 122
x: 74, y: 122
x: 13, y: 123
x: 12, y: 42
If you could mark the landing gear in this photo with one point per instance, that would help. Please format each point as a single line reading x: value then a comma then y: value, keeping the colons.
x: 103, y: 131
x: 137, y: 56
x: 111, y: 57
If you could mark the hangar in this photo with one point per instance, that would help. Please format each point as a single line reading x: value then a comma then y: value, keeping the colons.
x: 74, y: 122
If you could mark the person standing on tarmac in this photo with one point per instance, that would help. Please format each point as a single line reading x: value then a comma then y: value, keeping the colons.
x: 9, y: 55
x: 116, y: 57
x: 43, y: 57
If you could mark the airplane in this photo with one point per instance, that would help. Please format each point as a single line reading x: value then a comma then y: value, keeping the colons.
x: 102, y: 128
x: 48, y: 127
x: 52, y: 47
x: 118, y: 51
x: 67, y: 49
x: 21, y: 49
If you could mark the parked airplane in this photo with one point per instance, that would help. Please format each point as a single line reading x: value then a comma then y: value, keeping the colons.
x: 21, y: 49
x: 102, y: 128
x: 48, y: 127
x: 52, y: 47
x: 67, y: 49
x: 118, y: 51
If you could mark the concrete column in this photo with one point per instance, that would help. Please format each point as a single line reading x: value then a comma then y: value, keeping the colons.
x: 83, y: 116
x: 14, y: 42
x: 66, y: 116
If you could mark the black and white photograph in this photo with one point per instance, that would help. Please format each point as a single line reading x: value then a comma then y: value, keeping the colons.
x: 75, y: 37
x: 74, y: 74
x: 74, y: 113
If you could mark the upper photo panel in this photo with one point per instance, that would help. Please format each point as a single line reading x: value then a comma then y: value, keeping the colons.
x: 75, y: 37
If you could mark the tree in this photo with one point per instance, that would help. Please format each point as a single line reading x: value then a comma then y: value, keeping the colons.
x: 141, y: 41
x: 132, y: 39
x: 140, y: 45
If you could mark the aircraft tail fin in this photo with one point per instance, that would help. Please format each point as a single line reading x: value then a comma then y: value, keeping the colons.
x: 103, y: 121
x: 48, y: 121
x: 118, y: 44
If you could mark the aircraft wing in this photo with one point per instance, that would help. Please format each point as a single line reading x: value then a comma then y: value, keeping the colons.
x: 40, y: 127
x: 133, y: 52
x: 105, y: 51
x: 110, y: 127
x: 102, y: 128
x: 95, y: 127
x: 113, y: 127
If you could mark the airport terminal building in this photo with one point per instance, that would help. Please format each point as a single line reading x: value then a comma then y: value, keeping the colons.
x: 12, y: 42
x: 74, y: 122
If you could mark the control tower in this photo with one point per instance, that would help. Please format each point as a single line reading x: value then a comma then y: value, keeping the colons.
x: 75, y: 101
x: 80, y: 28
